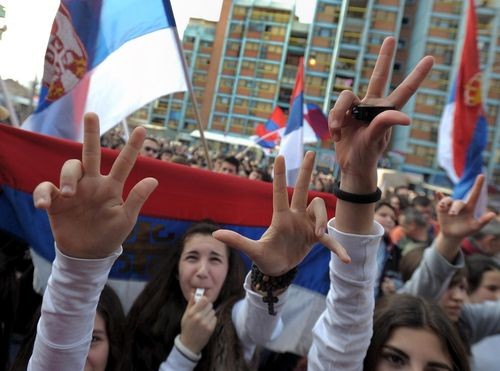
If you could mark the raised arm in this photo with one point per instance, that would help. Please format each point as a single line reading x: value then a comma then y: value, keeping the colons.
x: 440, y: 261
x: 342, y: 334
x: 89, y: 221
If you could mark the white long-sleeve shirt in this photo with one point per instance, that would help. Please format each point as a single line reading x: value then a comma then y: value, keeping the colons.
x: 69, y: 305
x: 342, y: 334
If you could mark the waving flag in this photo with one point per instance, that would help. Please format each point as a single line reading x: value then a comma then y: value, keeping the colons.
x: 269, y: 134
x: 26, y: 159
x: 463, y: 128
x: 316, y: 119
x: 292, y: 146
x: 106, y: 56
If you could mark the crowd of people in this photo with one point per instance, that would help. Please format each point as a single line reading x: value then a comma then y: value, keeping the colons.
x: 414, y: 281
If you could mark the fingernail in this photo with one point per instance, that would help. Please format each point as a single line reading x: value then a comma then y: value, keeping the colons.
x: 39, y: 201
x: 66, y: 189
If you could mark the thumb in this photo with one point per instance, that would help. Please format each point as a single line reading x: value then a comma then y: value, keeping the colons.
x: 383, y: 121
x: 237, y: 241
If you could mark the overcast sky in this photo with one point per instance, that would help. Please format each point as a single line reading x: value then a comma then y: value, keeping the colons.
x: 29, y: 21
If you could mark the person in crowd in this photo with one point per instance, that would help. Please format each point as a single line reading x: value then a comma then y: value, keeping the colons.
x: 441, y: 276
x: 166, y: 154
x: 165, y: 312
x: 217, y: 162
x: 230, y: 166
x: 401, y: 322
x: 412, y: 231
x: 483, y: 276
x: 150, y: 148
x: 424, y: 205
x: 399, y: 203
x: 388, y: 254
x: 84, y: 257
x: 343, y: 333
x: 106, y: 351
x: 485, y: 241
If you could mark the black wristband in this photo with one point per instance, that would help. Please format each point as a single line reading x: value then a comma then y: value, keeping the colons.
x: 356, y: 198
x: 269, y: 284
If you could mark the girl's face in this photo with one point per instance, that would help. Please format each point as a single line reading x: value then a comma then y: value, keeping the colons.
x: 97, y: 359
x: 453, y: 299
x: 386, y: 217
x: 410, y: 349
x: 204, y: 263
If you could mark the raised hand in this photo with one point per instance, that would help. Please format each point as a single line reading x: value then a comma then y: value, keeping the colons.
x: 197, y: 324
x: 88, y: 216
x: 456, y: 217
x: 359, y: 145
x: 294, y: 228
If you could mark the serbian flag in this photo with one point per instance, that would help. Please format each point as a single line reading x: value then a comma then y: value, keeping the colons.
x: 463, y: 128
x: 269, y: 134
x: 292, y: 143
x: 184, y: 195
x: 106, y: 56
x: 316, y: 119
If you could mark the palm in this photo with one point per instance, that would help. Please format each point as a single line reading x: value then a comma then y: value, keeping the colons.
x: 294, y: 228
x: 358, y: 144
x: 91, y: 220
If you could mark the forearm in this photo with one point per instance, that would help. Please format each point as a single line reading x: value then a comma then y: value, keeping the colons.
x: 342, y: 334
x: 252, y: 321
x: 68, y: 310
x: 448, y: 247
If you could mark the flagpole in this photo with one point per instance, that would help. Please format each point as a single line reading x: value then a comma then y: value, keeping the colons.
x: 126, y: 132
x: 193, y: 97
x: 13, y: 116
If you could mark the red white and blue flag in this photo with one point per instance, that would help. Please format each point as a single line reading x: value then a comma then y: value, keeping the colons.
x: 184, y: 195
x: 292, y: 142
x: 316, y: 119
x: 270, y: 132
x: 463, y: 128
x: 106, y: 56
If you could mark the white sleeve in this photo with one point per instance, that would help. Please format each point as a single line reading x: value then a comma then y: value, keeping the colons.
x: 342, y: 334
x: 176, y: 361
x: 253, y: 324
x: 69, y: 305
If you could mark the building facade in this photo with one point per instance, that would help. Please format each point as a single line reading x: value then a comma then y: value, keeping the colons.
x: 256, y: 46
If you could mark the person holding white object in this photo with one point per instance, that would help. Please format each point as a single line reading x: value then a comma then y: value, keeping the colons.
x: 90, y: 219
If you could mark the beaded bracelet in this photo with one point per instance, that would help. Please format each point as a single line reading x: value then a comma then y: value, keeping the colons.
x: 270, y: 284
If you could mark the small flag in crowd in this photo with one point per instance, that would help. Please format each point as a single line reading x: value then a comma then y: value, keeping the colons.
x: 106, y: 56
x: 269, y: 134
x: 314, y: 116
x: 292, y: 146
x: 463, y: 128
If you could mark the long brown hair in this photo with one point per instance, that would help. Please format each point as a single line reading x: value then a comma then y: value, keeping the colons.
x: 155, y: 318
x: 396, y: 311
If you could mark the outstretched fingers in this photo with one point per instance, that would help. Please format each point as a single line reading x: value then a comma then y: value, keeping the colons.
x: 125, y: 161
x: 411, y: 83
x: 476, y: 191
x: 300, y: 192
x: 91, y: 150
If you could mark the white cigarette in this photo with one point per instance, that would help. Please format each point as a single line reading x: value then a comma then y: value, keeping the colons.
x: 198, y: 294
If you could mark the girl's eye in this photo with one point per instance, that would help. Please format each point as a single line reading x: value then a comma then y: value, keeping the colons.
x: 217, y: 260
x: 394, y: 359
x: 95, y: 339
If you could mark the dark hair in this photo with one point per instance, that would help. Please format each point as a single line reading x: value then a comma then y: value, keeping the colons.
x: 110, y: 309
x: 155, y: 318
x: 233, y: 161
x: 477, y: 265
x: 396, y: 311
x: 410, y: 262
x: 412, y: 215
x: 153, y: 139
x: 381, y: 204
x: 423, y: 201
